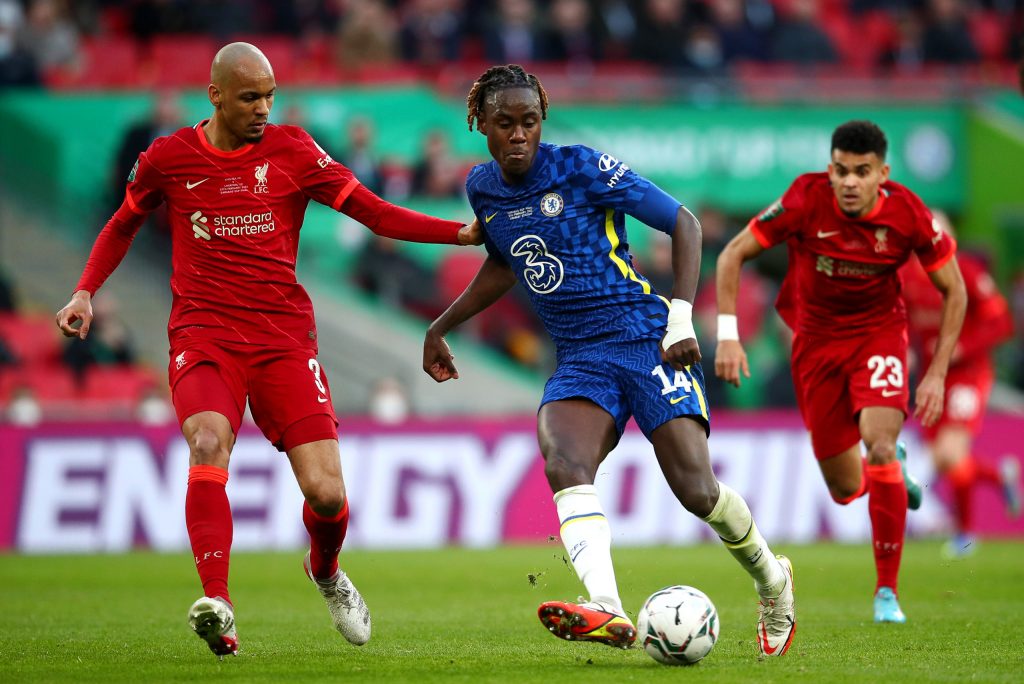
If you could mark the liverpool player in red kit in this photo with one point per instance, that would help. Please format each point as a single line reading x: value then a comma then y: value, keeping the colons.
x: 988, y: 322
x: 241, y: 327
x: 848, y: 232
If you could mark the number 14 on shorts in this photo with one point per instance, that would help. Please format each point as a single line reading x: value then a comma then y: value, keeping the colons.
x: 680, y: 381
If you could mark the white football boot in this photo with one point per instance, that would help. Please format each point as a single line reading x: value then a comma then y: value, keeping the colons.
x: 213, y: 619
x: 348, y: 610
x: 776, y: 621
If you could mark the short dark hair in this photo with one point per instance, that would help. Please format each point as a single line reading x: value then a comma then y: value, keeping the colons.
x: 860, y: 137
x: 499, y: 78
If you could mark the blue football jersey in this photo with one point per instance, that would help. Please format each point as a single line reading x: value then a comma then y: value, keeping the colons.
x: 562, y: 231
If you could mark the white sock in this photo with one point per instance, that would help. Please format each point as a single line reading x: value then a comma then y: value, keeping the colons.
x: 588, y: 541
x: 732, y: 521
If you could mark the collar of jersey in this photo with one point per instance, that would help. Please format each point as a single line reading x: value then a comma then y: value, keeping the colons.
x: 213, y: 150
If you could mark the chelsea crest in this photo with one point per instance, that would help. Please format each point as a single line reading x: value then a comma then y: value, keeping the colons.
x: 551, y: 204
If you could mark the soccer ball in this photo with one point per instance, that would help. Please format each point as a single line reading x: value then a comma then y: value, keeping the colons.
x: 678, y: 625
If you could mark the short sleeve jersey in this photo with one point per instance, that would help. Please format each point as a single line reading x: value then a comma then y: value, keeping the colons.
x: 235, y: 219
x: 843, y: 272
x: 562, y: 231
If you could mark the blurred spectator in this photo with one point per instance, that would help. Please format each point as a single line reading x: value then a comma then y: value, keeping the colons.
x: 431, y: 31
x: 388, y: 403
x: 657, y: 266
x: 8, y: 300
x: 799, y: 40
x: 704, y: 52
x: 50, y: 35
x: 716, y: 232
x: 23, y: 409
x: 17, y: 65
x: 947, y: 39
x: 360, y: 157
x: 153, y: 407
x: 149, y: 18
x: 619, y: 23
x: 382, y: 269
x: 109, y: 341
x: 437, y: 174
x: 738, y: 37
x: 660, y: 37
x: 779, y: 391
x: 163, y: 119
x: 907, y: 51
x: 511, y: 36
x: 573, y: 34
x: 367, y: 35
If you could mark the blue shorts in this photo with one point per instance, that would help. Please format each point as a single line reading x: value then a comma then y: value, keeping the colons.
x: 629, y: 379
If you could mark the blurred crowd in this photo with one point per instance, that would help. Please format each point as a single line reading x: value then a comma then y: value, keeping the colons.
x: 704, y: 37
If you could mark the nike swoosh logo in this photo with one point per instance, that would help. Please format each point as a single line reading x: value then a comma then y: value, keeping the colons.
x: 488, y: 219
x: 322, y: 400
x: 829, y: 234
x: 678, y: 399
x: 890, y: 393
x: 189, y: 185
x: 765, y: 646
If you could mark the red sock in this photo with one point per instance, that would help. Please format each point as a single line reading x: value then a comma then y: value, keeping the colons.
x: 861, y: 491
x: 961, y: 478
x: 986, y: 472
x: 887, y: 506
x: 325, y: 538
x: 208, y: 518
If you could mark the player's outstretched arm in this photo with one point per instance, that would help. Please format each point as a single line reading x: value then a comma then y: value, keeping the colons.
x: 399, y: 223
x: 932, y: 389
x: 107, y: 252
x: 679, y: 345
x: 493, y: 280
x: 730, y: 357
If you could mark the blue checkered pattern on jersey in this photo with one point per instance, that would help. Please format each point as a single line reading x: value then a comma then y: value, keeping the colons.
x: 562, y: 231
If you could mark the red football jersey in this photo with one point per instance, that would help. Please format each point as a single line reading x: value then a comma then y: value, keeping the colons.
x: 843, y: 272
x: 235, y: 220
x: 988, y: 320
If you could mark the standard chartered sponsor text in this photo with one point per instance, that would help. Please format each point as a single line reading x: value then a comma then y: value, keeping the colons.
x: 252, y: 223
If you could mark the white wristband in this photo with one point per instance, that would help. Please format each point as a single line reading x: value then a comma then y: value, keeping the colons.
x: 728, y: 327
x: 680, y: 323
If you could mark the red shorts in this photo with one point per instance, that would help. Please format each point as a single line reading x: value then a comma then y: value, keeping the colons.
x: 967, y: 390
x: 837, y: 377
x: 287, y: 389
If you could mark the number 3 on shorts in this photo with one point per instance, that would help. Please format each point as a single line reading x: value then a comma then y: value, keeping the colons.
x: 314, y: 366
x: 882, y: 380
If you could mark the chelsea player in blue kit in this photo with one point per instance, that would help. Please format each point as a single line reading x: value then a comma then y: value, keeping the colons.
x: 553, y: 219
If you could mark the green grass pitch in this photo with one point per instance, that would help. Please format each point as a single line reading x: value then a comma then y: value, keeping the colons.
x: 460, y: 615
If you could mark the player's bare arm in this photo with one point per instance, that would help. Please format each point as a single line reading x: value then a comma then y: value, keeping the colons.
x: 679, y: 345
x: 931, y: 391
x: 78, y: 309
x: 730, y: 357
x: 492, y: 281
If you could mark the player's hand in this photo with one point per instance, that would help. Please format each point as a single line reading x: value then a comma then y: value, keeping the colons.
x: 473, y: 234
x: 437, y: 358
x: 730, y: 360
x: 930, y: 399
x: 682, y: 354
x: 78, y: 309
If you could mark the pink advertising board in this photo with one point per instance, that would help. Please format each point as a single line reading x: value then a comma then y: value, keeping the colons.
x: 469, y: 482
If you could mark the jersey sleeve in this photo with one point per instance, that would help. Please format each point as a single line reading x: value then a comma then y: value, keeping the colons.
x: 933, y: 246
x: 143, y: 192
x: 319, y: 176
x: 608, y: 182
x: 781, y: 218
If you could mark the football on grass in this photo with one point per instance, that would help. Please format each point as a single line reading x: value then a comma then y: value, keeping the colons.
x: 678, y: 625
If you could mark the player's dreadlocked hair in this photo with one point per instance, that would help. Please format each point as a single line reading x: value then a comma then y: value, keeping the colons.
x: 498, y: 78
x: 860, y: 137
